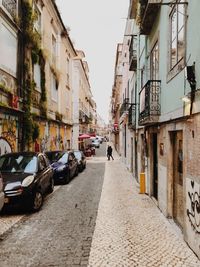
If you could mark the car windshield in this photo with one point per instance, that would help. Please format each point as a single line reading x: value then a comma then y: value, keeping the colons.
x: 64, y: 158
x: 77, y: 155
x: 18, y: 163
x: 54, y: 156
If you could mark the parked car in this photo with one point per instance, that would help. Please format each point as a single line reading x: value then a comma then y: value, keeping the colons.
x: 99, y: 138
x: 81, y: 160
x: 54, y: 155
x: 1, y: 193
x: 65, y: 168
x: 96, y: 143
x: 27, y: 177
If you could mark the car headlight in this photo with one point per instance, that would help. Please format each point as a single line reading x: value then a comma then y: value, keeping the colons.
x: 28, y: 180
x: 60, y: 168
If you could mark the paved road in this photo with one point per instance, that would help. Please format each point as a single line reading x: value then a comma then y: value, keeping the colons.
x: 61, y: 233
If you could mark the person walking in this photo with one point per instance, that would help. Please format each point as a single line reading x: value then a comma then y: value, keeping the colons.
x: 109, y: 153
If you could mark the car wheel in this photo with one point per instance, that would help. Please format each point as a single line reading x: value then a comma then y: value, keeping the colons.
x: 37, y: 201
x: 51, y: 186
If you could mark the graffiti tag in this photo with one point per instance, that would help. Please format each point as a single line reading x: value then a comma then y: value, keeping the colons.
x: 193, y: 210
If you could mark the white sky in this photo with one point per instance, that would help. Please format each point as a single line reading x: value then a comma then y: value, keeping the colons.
x: 97, y: 26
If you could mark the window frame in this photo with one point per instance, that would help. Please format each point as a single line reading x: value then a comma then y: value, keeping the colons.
x: 154, y: 71
x: 174, y: 69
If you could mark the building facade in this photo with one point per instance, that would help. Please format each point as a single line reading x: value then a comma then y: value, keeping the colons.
x: 10, y: 78
x: 165, y: 88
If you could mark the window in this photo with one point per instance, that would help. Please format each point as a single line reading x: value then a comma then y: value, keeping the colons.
x: 54, y: 49
x: 37, y: 22
x: 37, y: 76
x: 177, y: 34
x: 67, y: 70
x: 54, y: 88
x: 8, y: 48
x: 154, y: 63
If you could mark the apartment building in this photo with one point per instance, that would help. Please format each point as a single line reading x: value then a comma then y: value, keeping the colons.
x: 165, y: 88
x: 10, y: 78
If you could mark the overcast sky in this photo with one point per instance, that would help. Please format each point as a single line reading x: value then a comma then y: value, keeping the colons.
x: 96, y: 28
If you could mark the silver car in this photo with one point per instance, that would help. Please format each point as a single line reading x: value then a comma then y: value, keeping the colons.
x: 1, y: 193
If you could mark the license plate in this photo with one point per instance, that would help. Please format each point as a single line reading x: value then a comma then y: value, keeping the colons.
x: 6, y: 200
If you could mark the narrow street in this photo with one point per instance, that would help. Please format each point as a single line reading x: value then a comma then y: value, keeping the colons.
x: 61, y: 233
x: 98, y: 219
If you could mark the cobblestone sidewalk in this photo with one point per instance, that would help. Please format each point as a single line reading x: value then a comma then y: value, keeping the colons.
x: 130, y: 229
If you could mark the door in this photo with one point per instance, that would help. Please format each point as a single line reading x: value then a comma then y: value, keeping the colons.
x: 155, y: 165
x: 178, y: 177
x: 136, y: 160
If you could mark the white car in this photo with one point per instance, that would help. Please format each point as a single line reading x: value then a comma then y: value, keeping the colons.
x: 1, y: 193
x: 99, y: 138
x: 96, y: 143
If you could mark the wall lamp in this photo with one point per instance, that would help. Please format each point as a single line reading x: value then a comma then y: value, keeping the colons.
x: 186, y: 99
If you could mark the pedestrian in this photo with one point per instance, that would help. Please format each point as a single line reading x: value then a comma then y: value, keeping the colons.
x: 109, y: 153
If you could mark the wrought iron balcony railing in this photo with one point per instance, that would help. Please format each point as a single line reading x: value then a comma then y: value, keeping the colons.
x: 150, y: 102
x: 124, y: 107
x: 132, y: 116
x: 148, y: 13
x: 10, y: 6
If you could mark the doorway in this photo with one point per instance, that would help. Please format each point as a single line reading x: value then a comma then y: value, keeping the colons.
x: 155, y: 165
x: 132, y: 154
x: 177, y: 149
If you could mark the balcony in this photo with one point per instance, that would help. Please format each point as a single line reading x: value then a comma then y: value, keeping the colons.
x: 150, y: 102
x: 148, y: 12
x: 10, y: 6
x: 133, y: 54
x: 132, y: 116
x: 132, y: 9
x: 124, y: 107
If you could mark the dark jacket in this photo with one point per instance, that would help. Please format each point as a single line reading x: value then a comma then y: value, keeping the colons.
x: 109, y: 150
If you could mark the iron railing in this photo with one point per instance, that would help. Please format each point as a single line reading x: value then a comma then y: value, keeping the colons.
x: 10, y: 6
x: 124, y: 107
x: 149, y: 108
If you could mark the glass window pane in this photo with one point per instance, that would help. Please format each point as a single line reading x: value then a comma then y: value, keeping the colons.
x: 174, y: 25
x: 181, y: 44
x: 174, y: 53
x: 54, y: 90
x: 37, y: 76
x: 180, y: 16
x: 8, y: 48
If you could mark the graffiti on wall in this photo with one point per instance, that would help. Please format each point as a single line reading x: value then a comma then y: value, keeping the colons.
x: 193, y: 204
x: 8, y: 134
x: 4, y: 146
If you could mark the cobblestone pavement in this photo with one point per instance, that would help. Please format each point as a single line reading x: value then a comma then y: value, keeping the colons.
x: 61, y: 233
x: 131, y: 231
x: 7, y: 221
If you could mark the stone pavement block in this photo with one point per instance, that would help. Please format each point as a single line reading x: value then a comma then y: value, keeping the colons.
x: 130, y: 229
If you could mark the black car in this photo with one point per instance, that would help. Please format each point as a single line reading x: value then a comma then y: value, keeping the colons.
x: 27, y: 177
x: 81, y: 159
x: 65, y: 168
